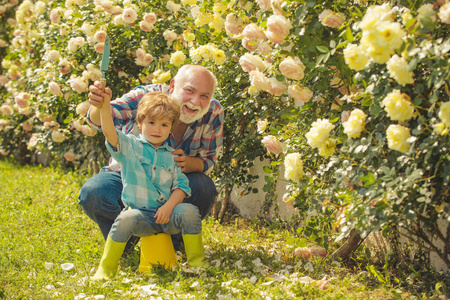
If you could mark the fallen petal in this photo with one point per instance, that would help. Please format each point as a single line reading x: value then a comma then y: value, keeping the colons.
x: 67, y: 266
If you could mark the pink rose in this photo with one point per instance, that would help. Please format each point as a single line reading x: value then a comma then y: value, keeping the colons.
x: 150, y: 17
x: 69, y: 156
x: 21, y: 100
x: 233, y: 24
x: 51, y: 124
x: 264, y: 49
x: 278, y: 28
x: 54, y: 88
x: 32, y: 142
x: 53, y: 55
x: 76, y: 124
x: 54, y: 15
x: 83, y: 108
x: 331, y: 19
x: 27, y: 127
x: 259, y: 80
x: 87, y: 130
x: 263, y: 4
x: 99, y: 47
x: 292, y: 68
x: 272, y: 144
x: 250, y: 45
x: 344, y: 116
x: 253, y: 31
x: 300, y: 93
x: 145, y: 26
x: 64, y: 67
x: 78, y: 84
x: 3, y: 80
x: 6, y: 110
x: 129, y: 15
x: 277, y: 88
x: 250, y: 62
x: 100, y: 36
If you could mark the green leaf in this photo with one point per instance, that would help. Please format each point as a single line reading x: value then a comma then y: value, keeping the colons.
x: 368, y: 180
x: 323, y: 49
x: 267, y: 170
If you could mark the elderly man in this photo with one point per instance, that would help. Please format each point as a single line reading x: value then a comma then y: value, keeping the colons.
x: 197, y: 140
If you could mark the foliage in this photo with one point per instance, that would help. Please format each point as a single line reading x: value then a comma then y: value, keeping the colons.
x: 44, y: 228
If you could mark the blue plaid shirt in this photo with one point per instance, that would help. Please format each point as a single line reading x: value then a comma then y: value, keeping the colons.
x: 149, y: 174
x: 203, y: 138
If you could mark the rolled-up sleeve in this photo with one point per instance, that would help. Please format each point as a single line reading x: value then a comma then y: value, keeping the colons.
x: 212, y: 142
x: 124, y: 109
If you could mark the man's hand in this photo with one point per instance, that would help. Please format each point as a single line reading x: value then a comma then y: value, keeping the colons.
x: 188, y: 164
x: 95, y: 94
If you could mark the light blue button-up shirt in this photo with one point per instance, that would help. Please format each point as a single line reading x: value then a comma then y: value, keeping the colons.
x: 149, y: 174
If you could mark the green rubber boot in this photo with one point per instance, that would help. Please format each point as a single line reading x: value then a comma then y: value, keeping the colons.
x: 110, y: 260
x: 195, y: 253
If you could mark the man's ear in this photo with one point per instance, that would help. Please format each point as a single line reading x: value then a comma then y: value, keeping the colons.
x: 172, y: 85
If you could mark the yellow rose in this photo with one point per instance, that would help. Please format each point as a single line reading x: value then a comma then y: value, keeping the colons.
x: 319, y: 133
x: 203, y: 19
x: 327, y: 149
x: 444, y: 113
x: 161, y: 76
x: 219, y: 56
x: 177, y: 58
x: 293, y: 167
x: 195, y: 55
x: 355, y: 57
x: 355, y: 123
x: 398, y: 69
x: 189, y: 2
x: 439, y: 128
x: 397, y: 136
x: 398, y: 106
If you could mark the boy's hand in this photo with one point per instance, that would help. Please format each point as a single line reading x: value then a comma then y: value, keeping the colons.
x: 163, y: 214
x: 96, y: 96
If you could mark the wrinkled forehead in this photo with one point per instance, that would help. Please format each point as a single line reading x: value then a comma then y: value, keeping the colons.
x: 197, y: 79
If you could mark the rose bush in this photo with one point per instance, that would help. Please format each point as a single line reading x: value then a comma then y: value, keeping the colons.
x: 350, y: 97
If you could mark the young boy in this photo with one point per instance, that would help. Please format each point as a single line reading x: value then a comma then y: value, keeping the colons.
x: 153, y: 186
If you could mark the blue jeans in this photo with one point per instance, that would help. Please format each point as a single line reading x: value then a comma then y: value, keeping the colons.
x: 101, y: 197
x: 185, y: 218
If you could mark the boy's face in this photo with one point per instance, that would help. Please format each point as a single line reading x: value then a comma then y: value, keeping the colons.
x: 156, y: 131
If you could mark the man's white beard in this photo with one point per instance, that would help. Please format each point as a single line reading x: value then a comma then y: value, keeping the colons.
x: 187, y: 118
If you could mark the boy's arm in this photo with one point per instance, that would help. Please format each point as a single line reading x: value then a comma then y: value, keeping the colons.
x: 164, y: 213
x: 109, y: 131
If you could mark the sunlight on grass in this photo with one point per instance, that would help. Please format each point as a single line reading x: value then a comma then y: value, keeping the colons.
x: 49, y: 248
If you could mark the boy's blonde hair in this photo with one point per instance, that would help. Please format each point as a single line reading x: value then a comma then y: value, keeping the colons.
x: 157, y: 105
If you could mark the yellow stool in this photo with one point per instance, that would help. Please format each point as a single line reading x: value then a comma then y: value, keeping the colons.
x: 157, y: 249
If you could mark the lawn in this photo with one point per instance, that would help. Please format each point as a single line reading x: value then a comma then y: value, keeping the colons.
x: 49, y: 249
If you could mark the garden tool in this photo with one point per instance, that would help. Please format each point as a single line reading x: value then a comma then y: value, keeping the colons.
x: 110, y: 259
x: 105, y: 61
x: 195, y: 253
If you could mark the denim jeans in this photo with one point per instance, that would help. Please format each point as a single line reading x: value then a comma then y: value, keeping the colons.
x: 101, y: 200
x: 185, y: 218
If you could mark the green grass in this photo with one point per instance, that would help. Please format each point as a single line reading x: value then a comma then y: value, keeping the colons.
x: 42, y: 223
